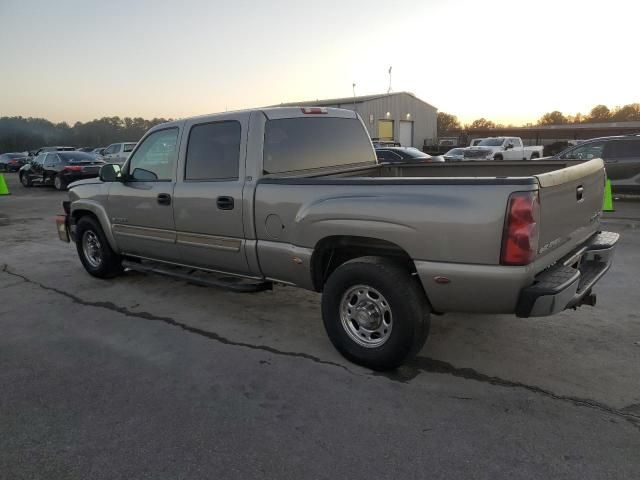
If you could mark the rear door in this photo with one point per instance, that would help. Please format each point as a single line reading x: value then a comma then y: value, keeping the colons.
x: 622, y: 158
x: 208, y: 196
x: 141, y: 207
x: 570, y: 204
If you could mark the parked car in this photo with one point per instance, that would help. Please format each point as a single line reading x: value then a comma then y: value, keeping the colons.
x: 118, y: 152
x: 502, y: 148
x: 59, y: 169
x: 404, y: 155
x: 454, y: 155
x: 295, y: 195
x: 384, y: 143
x: 621, y: 155
x: 53, y: 149
x: 11, y: 162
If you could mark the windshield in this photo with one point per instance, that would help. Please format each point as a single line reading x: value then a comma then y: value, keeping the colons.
x: 491, y: 142
x: 75, y: 157
x: 455, y: 151
x: 414, y: 152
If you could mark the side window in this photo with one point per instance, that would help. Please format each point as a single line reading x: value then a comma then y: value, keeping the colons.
x: 584, y: 152
x: 128, y: 147
x: 155, y: 159
x: 116, y: 148
x: 622, y: 149
x: 39, y: 159
x: 51, y: 160
x: 517, y: 143
x: 213, y: 151
x: 109, y: 150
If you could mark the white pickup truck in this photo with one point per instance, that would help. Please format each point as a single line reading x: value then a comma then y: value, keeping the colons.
x: 502, y: 148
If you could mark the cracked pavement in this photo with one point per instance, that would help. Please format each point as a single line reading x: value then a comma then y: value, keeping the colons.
x: 149, y: 377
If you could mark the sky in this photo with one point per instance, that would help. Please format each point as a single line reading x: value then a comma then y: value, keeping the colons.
x: 507, y: 60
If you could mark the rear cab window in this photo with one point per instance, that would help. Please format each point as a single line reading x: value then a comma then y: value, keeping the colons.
x: 301, y: 143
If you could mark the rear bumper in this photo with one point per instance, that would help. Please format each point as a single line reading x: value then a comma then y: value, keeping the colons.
x: 70, y: 177
x: 569, y: 282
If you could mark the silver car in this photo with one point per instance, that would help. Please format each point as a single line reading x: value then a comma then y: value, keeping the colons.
x: 118, y: 152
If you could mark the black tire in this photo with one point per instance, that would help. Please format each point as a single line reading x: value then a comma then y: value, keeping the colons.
x: 59, y: 183
x: 407, y: 305
x: 497, y: 157
x: 25, y: 180
x: 110, y: 263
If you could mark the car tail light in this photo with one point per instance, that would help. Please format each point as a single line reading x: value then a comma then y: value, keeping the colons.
x: 314, y: 110
x: 521, y: 229
x: 73, y: 168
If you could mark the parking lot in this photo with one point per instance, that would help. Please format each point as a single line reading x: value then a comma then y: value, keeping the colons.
x: 149, y: 377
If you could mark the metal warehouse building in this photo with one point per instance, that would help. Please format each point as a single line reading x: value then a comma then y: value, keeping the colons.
x: 400, y: 116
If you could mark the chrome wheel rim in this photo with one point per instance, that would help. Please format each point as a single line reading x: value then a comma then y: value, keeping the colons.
x: 92, y: 248
x: 366, y: 316
x: 56, y: 183
x: 24, y: 180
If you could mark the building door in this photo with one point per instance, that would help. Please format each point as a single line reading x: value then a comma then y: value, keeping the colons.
x: 385, y: 129
x: 406, y: 133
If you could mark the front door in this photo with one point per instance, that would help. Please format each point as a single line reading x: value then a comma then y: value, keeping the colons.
x: 141, y: 208
x: 208, y: 196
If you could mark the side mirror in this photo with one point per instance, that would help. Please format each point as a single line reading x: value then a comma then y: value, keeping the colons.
x: 110, y: 173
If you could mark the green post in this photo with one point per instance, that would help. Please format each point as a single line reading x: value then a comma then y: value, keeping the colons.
x: 4, y: 190
x: 607, y: 204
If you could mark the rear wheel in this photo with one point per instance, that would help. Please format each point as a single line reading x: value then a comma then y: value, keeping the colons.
x: 25, y: 180
x: 375, y: 313
x: 534, y: 156
x: 59, y: 183
x: 94, y: 250
x: 497, y: 157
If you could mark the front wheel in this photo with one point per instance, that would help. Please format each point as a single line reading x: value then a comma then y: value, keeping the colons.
x: 25, y: 180
x: 94, y: 250
x: 375, y: 313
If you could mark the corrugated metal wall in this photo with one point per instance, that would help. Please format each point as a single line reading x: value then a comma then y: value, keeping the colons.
x: 423, y: 116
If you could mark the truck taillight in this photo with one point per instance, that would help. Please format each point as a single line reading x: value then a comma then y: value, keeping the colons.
x: 314, y: 110
x: 521, y: 229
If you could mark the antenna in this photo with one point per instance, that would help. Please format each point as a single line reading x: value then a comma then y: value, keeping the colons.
x: 389, y: 90
x: 354, y: 96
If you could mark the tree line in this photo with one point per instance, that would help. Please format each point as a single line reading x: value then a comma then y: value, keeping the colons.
x: 598, y: 114
x: 18, y: 134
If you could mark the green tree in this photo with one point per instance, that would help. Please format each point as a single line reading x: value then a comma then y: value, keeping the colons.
x: 627, y: 113
x: 552, y: 118
x: 482, y: 123
x: 599, y: 113
x: 447, y: 122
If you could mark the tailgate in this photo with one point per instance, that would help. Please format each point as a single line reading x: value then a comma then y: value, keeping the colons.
x: 570, y: 205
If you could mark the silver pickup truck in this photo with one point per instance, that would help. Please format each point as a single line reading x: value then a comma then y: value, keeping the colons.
x: 295, y: 196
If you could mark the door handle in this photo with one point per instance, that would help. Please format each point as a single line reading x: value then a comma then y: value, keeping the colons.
x: 579, y: 192
x: 164, y: 199
x: 225, y: 203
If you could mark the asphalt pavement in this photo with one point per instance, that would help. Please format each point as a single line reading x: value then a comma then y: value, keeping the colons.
x: 147, y: 377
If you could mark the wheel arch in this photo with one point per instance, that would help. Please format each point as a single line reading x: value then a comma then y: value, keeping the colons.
x: 84, y: 208
x: 332, y: 251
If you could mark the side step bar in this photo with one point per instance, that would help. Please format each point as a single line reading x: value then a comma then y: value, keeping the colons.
x: 198, y: 277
